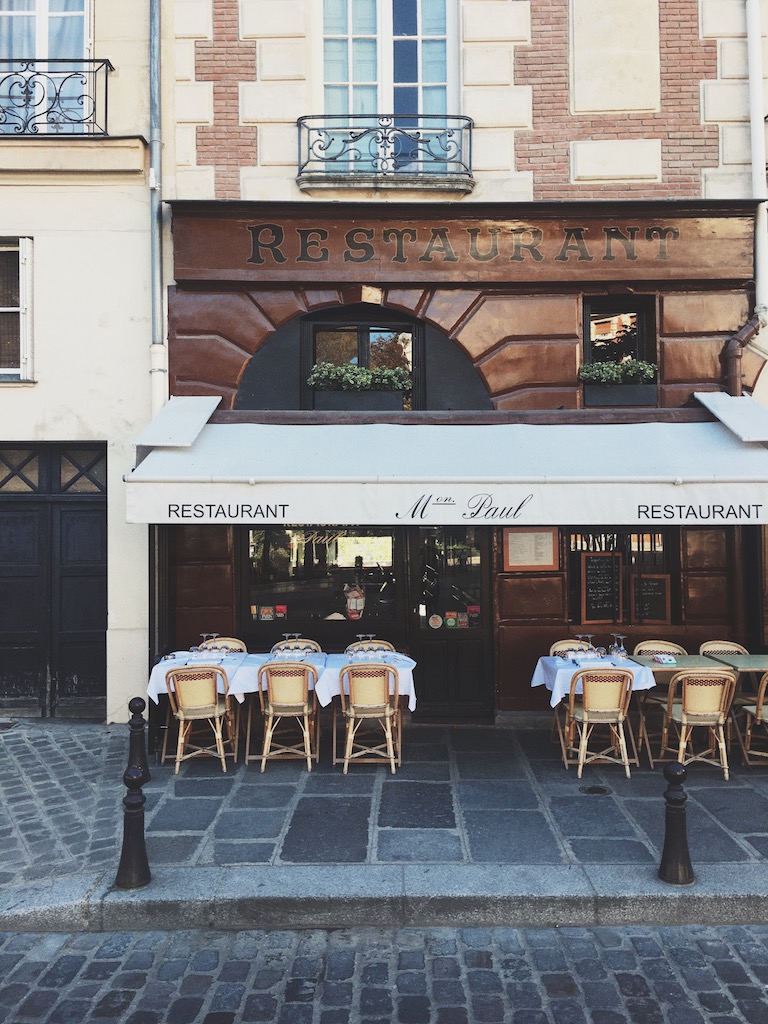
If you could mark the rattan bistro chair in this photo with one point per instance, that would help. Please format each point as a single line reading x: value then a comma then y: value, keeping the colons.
x: 563, y: 646
x: 289, y: 708
x: 746, y: 685
x: 368, y: 646
x: 224, y: 643
x: 373, y: 727
x: 653, y: 702
x: 298, y: 644
x: 199, y: 700
x: 604, y: 703
x: 704, y: 702
x: 754, y: 744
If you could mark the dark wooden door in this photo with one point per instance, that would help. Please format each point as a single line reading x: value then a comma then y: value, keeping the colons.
x: 451, y: 622
x: 53, y: 575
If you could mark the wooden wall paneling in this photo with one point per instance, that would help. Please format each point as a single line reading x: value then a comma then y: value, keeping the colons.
x: 529, y: 598
x: 202, y: 565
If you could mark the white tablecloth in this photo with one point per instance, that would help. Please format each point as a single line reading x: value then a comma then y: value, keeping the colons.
x: 556, y: 674
x: 242, y: 669
x: 329, y: 683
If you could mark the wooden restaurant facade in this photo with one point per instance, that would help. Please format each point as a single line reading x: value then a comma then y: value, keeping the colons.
x: 499, y: 502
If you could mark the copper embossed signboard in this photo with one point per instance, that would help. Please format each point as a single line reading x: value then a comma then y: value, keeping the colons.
x: 430, y: 244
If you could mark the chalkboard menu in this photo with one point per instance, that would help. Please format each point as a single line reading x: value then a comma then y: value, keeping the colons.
x: 649, y: 599
x: 601, y: 590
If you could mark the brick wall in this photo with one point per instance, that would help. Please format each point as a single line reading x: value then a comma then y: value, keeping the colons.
x: 687, y: 145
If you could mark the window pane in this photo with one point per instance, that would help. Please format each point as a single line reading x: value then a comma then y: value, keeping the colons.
x: 19, y: 470
x: 17, y: 38
x: 433, y: 17
x: 301, y: 574
x: 451, y: 578
x: 336, y: 99
x: 65, y: 37
x: 404, y: 17
x: 337, y: 346
x: 433, y: 61
x: 434, y: 100
x: 613, y: 335
x: 406, y: 60
x: 17, y: 5
x: 364, y: 60
x: 10, y: 351
x: 66, y: 5
x: 335, y: 17
x: 364, y: 17
x: 390, y: 349
x: 9, y: 279
x: 336, y: 60
x: 406, y: 100
x: 364, y: 100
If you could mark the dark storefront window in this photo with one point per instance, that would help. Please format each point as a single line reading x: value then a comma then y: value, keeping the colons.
x: 319, y: 580
x: 623, y: 577
x: 451, y: 578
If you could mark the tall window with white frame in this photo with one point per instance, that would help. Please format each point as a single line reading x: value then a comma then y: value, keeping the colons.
x: 389, y: 77
x: 15, y: 348
x: 44, y: 85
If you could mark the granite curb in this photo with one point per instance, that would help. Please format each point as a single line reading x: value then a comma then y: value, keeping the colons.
x: 387, y: 896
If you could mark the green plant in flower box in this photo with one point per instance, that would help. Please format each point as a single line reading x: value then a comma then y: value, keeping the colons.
x: 348, y: 377
x: 630, y: 371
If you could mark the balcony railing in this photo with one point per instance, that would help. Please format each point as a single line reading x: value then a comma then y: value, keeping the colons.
x: 385, y: 146
x: 53, y: 97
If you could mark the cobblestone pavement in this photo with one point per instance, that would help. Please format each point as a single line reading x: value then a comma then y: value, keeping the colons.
x: 694, y: 975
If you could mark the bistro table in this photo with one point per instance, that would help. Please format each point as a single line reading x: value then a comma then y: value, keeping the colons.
x: 329, y: 684
x: 682, y: 661
x: 556, y: 673
x: 242, y: 669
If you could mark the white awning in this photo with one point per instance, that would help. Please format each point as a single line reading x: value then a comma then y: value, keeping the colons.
x: 647, y: 474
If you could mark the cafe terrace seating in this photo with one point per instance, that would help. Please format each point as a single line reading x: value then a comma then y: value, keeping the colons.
x: 289, y: 707
x: 223, y: 643
x: 371, y: 713
x: 698, y: 699
x: 755, y: 742
x: 604, y: 703
x: 198, y: 698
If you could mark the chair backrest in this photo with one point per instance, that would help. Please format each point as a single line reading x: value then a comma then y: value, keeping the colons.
x: 195, y: 687
x: 648, y: 648
x: 760, y: 699
x: 604, y: 690
x: 568, y: 645
x: 706, y: 693
x: 287, y: 682
x: 369, y: 645
x: 223, y: 643
x: 297, y: 644
x: 368, y: 685
x: 722, y: 647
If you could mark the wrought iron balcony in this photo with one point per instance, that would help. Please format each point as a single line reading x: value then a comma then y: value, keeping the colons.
x: 53, y: 97
x: 386, y: 149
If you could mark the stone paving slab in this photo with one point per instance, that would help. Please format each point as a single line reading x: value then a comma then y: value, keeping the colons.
x: 497, y: 834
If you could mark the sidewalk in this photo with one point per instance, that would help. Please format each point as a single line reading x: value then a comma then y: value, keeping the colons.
x: 480, y: 826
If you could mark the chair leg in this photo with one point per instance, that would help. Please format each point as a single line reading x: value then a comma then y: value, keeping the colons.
x: 723, y: 751
x: 583, y: 740
x: 390, y: 748
x: 216, y: 725
x: 269, y: 728
x: 623, y: 748
x: 348, y: 740
x: 305, y: 728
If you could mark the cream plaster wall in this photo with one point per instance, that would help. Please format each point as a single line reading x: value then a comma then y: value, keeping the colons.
x: 91, y: 336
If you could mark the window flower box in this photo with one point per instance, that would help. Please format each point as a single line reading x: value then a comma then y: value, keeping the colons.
x: 351, y: 387
x: 359, y: 401
x: 630, y: 382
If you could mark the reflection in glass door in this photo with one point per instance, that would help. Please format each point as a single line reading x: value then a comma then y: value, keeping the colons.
x: 451, y: 621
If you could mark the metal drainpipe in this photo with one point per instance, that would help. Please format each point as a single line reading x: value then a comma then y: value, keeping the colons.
x: 732, y: 354
x: 158, y: 352
x: 158, y: 349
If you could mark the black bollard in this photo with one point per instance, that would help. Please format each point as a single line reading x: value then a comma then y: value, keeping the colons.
x: 137, y: 745
x: 133, y: 870
x: 675, y: 859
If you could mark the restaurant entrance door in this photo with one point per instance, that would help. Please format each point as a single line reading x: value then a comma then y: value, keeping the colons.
x: 450, y: 635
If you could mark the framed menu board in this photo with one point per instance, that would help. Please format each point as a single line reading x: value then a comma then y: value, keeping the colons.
x: 649, y: 599
x: 527, y: 548
x: 601, y: 589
